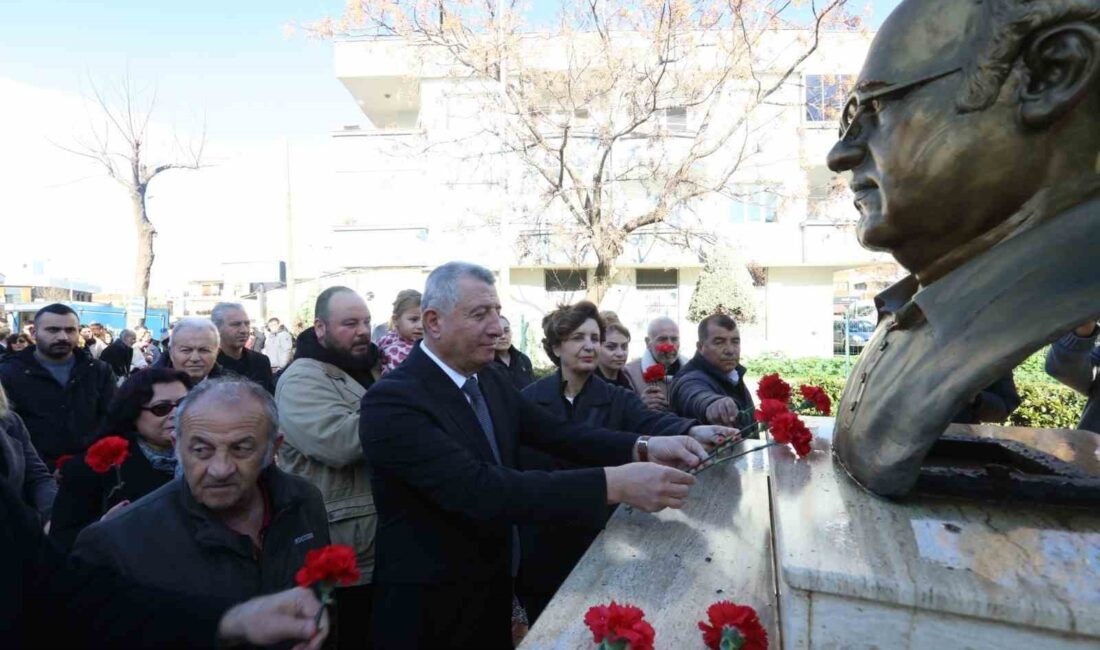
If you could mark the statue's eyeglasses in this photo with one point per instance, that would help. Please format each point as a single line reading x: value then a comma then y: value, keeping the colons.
x: 868, y: 102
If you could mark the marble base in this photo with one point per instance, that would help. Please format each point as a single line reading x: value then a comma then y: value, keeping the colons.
x: 674, y: 564
x: 858, y: 571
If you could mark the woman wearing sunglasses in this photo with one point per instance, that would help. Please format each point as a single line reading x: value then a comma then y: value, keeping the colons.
x: 143, y: 412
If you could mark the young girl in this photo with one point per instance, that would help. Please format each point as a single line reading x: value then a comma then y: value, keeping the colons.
x: 405, y: 330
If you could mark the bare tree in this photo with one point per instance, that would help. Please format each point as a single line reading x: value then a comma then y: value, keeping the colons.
x: 623, y: 114
x: 118, y: 140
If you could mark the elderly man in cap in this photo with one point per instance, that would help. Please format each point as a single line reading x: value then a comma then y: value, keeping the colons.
x: 233, y: 525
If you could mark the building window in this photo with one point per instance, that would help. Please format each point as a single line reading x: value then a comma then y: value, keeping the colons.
x: 754, y: 205
x: 676, y: 119
x: 656, y: 278
x: 566, y: 279
x: 826, y: 95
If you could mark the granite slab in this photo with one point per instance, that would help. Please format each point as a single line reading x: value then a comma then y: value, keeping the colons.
x: 1025, y: 566
x: 675, y: 563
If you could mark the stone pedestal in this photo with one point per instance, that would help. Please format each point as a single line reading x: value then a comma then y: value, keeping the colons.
x: 851, y: 570
x: 674, y: 564
x: 856, y: 571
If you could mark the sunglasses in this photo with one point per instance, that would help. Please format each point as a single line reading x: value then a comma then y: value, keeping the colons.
x: 868, y: 102
x: 161, y: 409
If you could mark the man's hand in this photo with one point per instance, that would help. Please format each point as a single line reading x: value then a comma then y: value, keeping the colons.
x: 723, y: 411
x: 682, y: 452
x: 285, y: 616
x: 654, y: 399
x: 712, y: 435
x: 1086, y: 330
x: 648, y: 486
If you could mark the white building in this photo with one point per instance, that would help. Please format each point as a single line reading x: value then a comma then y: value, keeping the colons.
x: 416, y: 189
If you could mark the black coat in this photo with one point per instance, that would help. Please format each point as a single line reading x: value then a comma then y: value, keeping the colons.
x: 22, y: 469
x: 699, y: 384
x: 251, y: 365
x: 520, y: 370
x: 205, y: 557
x: 446, y: 508
x: 50, y: 601
x: 550, y: 551
x: 61, y: 420
x: 82, y: 497
x: 119, y: 356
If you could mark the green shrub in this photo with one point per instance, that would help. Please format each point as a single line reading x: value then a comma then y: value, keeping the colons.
x: 1047, y: 406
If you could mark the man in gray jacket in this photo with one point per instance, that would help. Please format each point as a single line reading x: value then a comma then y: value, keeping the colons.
x: 234, y: 525
x: 1069, y: 361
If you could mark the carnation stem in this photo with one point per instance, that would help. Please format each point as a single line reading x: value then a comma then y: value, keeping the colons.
x: 704, y: 466
x: 118, y: 484
x: 739, y: 438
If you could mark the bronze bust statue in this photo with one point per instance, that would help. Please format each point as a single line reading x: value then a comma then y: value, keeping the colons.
x: 973, y: 139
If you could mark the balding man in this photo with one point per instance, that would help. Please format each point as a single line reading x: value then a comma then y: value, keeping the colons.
x: 119, y: 355
x: 440, y: 434
x: 233, y: 525
x: 663, y: 333
x: 193, y: 349
x: 234, y: 328
x: 318, y: 397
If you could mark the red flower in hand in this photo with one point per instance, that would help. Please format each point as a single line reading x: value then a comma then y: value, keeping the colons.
x: 61, y: 460
x: 106, y: 453
x: 654, y: 373
x: 665, y: 348
x: 614, y: 623
x: 816, y: 395
x: 772, y: 387
x: 330, y: 565
x: 769, y: 409
x: 733, y: 627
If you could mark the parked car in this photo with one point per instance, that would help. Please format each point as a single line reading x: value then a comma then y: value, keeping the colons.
x: 859, y: 332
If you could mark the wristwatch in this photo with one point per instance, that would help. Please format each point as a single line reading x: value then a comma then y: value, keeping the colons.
x: 643, y: 449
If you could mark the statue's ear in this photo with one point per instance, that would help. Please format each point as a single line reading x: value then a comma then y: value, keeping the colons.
x: 1062, y: 66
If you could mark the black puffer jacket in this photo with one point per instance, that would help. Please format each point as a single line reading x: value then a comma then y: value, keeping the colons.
x: 61, y: 420
x: 699, y: 384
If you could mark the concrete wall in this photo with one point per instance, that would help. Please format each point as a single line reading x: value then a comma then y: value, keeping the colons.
x: 798, y: 317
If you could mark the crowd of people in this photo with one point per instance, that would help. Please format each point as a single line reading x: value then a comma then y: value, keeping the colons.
x: 467, y: 488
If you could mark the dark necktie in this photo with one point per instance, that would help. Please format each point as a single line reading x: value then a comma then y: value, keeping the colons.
x: 481, y: 409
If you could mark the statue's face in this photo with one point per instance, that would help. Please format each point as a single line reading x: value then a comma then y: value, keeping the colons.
x: 926, y: 177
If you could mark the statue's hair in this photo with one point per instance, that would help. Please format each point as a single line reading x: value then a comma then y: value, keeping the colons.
x: 1010, y: 23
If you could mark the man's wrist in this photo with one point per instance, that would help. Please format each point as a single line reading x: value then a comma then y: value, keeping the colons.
x: 641, y: 449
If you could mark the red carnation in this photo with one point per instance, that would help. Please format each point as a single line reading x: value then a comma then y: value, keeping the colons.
x: 61, y: 460
x: 654, y: 373
x: 769, y: 409
x: 788, y: 428
x: 331, y: 565
x: 772, y: 387
x: 733, y: 627
x: 801, y: 440
x: 106, y: 453
x: 816, y: 396
x: 615, y: 623
x: 665, y: 348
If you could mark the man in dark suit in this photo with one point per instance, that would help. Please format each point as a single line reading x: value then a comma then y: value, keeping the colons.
x: 440, y: 434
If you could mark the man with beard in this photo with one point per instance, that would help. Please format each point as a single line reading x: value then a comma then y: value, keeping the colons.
x: 234, y: 328
x: 58, y: 389
x: 318, y: 398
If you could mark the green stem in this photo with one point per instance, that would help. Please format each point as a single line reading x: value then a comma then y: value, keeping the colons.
x: 704, y: 466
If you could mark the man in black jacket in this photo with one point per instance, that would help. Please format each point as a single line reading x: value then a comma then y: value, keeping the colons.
x: 58, y: 389
x: 234, y: 525
x: 711, y: 387
x: 50, y: 601
x: 234, y: 328
x: 119, y: 355
x: 440, y: 434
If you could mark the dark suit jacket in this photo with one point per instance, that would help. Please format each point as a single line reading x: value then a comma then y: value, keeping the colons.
x: 550, y: 551
x: 22, y: 469
x: 82, y: 497
x: 119, y: 356
x: 445, y: 506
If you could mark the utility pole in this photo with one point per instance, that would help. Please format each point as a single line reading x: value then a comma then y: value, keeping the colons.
x: 290, y: 301
x: 504, y: 207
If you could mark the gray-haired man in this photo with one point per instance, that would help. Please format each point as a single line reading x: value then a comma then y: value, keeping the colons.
x: 193, y: 349
x: 234, y: 328
x: 233, y: 525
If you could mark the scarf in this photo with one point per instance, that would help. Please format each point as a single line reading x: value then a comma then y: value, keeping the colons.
x: 162, y: 461
x: 309, y: 347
